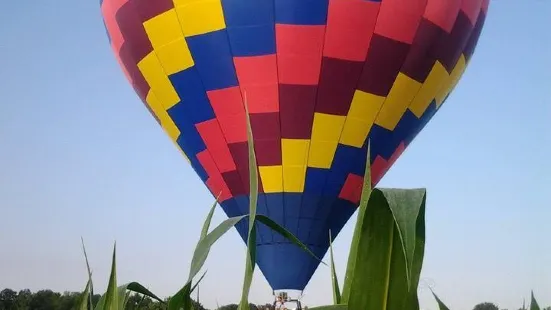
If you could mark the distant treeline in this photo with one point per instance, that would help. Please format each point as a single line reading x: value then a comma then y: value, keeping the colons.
x: 50, y: 300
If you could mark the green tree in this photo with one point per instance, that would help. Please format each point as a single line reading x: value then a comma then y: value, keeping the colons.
x: 228, y: 307
x: 45, y: 300
x: 24, y: 298
x: 69, y: 300
x: 8, y: 299
x: 486, y: 306
x: 253, y: 307
x: 49, y: 300
x: 133, y: 301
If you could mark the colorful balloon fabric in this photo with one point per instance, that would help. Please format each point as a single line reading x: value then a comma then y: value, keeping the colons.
x: 320, y: 78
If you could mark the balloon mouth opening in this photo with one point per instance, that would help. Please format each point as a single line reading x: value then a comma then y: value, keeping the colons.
x: 288, y: 295
x: 291, y: 299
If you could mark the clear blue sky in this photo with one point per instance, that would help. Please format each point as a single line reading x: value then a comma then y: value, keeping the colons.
x: 81, y: 156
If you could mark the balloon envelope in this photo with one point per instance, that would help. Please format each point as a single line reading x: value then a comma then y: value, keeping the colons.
x: 320, y: 77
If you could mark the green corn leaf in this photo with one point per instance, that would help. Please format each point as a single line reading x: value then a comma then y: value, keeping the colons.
x: 250, y: 259
x: 101, y: 303
x: 204, y: 232
x: 334, y: 279
x: 83, y: 304
x: 285, y: 233
x: 125, y: 299
x: 206, y: 224
x: 249, y: 269
x: 253, y: 173
x: 182, y: 298
x: 136, y: 287
x: 203, y: 247
x: 418, y: 257
x: 406, y: 205
x: 198, y: 281
x: 353, y: 255
x: 109, y: 301
x: 331, y: 307
x: 441, y: 305
x: 91, y: 292
x: 386, y: 249
x: 112, y: 296
x: 533, y: 303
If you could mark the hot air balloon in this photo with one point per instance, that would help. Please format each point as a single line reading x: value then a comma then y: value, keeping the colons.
x: 321, y: 77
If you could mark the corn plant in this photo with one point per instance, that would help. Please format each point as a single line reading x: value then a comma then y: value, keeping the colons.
x: 115, y: 297
x: 533, y: 303
x: 386, y: 253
